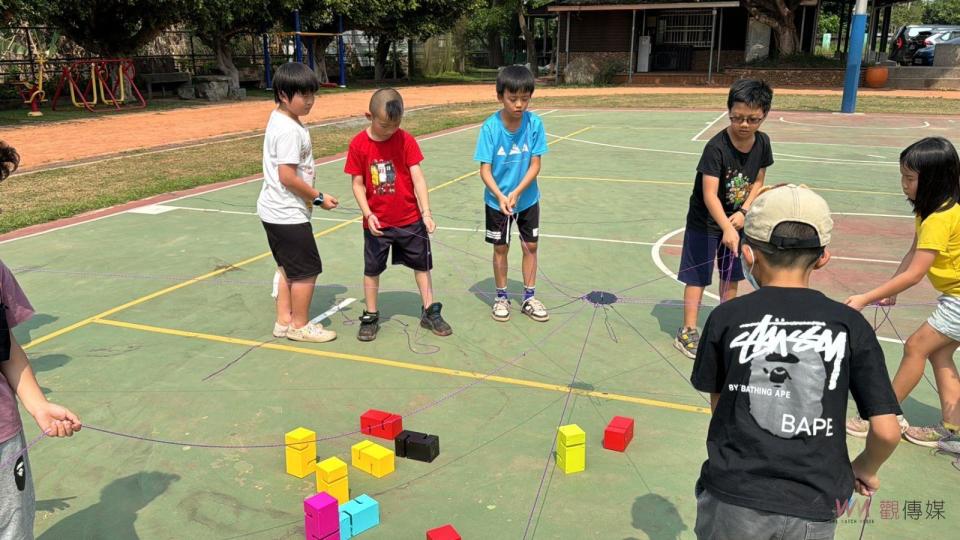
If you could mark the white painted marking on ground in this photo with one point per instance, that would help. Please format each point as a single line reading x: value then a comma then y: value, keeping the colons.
x: 152, y: 210
x: 832, y: 126
x: 326, y: 314
x: 702, y: 131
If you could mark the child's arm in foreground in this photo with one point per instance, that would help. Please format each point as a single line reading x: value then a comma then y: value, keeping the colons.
x: 525, y: 182
x: 290, y: 180
x: 360, y: 193
x: 53, y: 419
x: 731, y: 239
x: 423, y: 196
x: 915, y: 264
x: 882, y: 440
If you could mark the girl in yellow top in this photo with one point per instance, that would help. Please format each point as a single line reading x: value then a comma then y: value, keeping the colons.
x: 930, y: 178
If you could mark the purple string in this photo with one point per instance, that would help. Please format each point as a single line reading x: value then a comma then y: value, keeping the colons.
x: 563, y: 413
x: 3, y: 466
x: 416, y: 411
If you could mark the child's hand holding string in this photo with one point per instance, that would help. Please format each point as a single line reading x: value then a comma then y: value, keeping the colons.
x: 56, y: 420
x: 374, y: 225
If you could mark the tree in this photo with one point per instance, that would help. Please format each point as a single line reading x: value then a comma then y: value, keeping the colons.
x: 217, y: 22
x: 904, y: 14
x: 109, y: 28
x: 941, y: 12
x: 391, y: 20
x: 779, y: 15
x: 320, y: 16
x: 488, y: 24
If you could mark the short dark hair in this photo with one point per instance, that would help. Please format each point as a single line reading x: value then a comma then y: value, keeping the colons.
x: 294, y: 78
x: 9, y: 160
x: 390, y: 101
x: 515, y: 79
x: 937, y: 166
x: 777, y: 257
x: 751, y: 92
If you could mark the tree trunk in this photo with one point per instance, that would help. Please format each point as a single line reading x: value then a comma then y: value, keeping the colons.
x: 380, y: 59
x: 494, y: 49
x: 224, y: 59
x: 528, y: 39
x: 320, y: 57
x: 788, y: 39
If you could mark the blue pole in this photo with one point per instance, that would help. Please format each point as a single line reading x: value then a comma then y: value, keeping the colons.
x: 296, y: 36
x: 267, y: 64
x: 341, y: 53
x: 310, y: 45
x: 851, y: 80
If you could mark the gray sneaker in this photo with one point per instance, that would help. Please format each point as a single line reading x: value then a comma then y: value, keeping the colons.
x: 950, y: 444
x: 687, y: 341
x: 928, y: 436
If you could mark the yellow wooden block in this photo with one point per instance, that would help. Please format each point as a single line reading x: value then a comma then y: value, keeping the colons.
x: 331, y: 469
x: 571, y: 435
x: 381, y: 460
x: 572, y: 459
x: 300, y: 439
x: 357, y: 459
x: 339, y: 489
x: 300, y: 463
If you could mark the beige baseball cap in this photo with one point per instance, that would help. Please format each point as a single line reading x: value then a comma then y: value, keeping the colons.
x: 785, y: 203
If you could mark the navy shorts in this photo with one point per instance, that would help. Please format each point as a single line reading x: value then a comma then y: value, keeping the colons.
x: 410, y: 246
x: 700, y: 249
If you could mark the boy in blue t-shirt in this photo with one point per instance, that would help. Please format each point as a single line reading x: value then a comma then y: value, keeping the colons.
x: 509, y: 148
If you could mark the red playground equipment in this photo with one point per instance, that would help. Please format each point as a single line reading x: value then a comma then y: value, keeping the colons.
x: 100, y: 81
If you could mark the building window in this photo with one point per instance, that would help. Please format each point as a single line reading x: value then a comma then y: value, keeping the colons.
x: 688, y: 27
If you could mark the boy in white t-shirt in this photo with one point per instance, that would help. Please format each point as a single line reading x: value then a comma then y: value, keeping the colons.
x: 286, y: 203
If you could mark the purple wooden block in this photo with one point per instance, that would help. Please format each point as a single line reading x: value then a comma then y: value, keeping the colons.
x: 321, y: 516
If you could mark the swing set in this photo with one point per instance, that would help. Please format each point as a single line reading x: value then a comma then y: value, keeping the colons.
x: 101, y: 81
x: 311, y: 42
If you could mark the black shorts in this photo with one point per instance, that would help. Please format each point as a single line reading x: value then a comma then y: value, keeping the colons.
x: 411, y: 248
x: 499, y: 225
x: 295, y: 249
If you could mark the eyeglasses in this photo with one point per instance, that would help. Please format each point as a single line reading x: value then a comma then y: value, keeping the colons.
x: 752, y: 120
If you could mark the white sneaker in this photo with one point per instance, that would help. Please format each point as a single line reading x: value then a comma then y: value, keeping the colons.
x: 535, y: 309
x: 501, y: 309
x: 280, y: 330
x: 314, y: 333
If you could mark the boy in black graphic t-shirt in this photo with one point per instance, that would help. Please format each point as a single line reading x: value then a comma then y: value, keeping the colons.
x: 778, y: 364
x: 729, y: 177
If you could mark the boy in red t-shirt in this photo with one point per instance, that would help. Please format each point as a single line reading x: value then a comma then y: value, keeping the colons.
x: 384, y: 162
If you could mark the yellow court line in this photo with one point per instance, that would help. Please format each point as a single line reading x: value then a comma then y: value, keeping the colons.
x: 402, y: 365
x: 678, y: 183
x: 191, y: 281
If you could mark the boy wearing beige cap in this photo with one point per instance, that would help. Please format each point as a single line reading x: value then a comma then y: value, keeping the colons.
x: 778, y: 364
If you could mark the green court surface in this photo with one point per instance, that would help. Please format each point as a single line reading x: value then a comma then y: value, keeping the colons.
x: 155, y: 323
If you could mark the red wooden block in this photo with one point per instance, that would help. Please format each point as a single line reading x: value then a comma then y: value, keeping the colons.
x: 381, y: 424
x: 618, y: 434
x: 447, y: 532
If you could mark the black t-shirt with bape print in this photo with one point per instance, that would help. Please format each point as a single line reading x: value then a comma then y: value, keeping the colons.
x: 784, y: 361
x: 736, y: 171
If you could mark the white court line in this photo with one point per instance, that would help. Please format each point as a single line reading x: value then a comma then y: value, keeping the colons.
x: 702, y: 131
x: 256, y: 179
x: 838, y: 160
x: 863, y: 214
x: 785, y: 121
x: 655, y: 255
x: 331, y: 311
x: 453, y: 229
x: 659, y: 151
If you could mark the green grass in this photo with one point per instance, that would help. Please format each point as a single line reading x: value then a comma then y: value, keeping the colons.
x: 26, y: 199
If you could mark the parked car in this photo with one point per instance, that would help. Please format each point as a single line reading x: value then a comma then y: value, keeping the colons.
x: 924, y: 56
x: 909, y: 39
